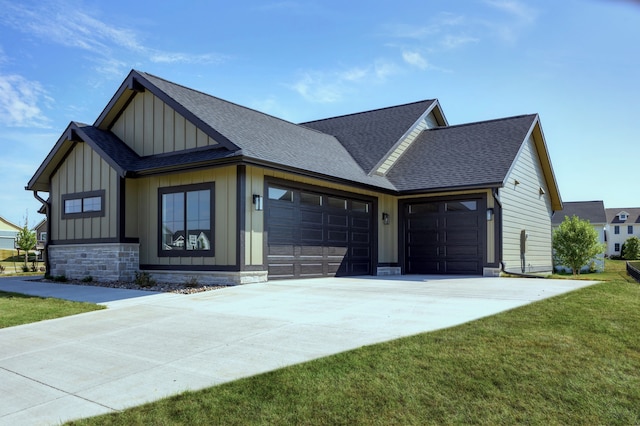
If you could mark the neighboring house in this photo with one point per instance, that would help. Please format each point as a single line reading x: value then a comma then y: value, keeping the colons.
x: 179, y: 183
x: 41, y: 230
x: 8, y: 233
x: 594, y: 212
x: 622, y: 223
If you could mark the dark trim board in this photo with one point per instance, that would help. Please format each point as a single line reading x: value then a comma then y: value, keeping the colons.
x: 94, y: 241
x: 212, y: 268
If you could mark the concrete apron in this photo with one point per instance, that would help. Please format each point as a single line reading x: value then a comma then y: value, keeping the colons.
x: 147, y: 346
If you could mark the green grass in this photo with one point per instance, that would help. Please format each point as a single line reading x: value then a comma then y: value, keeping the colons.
x: 18, y: 309
x: 571, y: 359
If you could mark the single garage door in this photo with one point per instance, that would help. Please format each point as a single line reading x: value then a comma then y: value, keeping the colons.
x: 444, y: 237
x: 311, y: 234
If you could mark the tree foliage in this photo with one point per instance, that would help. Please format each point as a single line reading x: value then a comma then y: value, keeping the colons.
x: 575, y: 243
x: 631, y: 248
x: 26, y: 240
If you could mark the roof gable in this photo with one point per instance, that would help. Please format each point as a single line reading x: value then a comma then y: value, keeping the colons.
x: 371, y: 136
x: 464, y: 156
x: 633, y: 215
x: 7, y: 225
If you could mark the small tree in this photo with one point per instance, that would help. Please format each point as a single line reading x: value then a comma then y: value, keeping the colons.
x: 575, y: 243
x: 631, y: 248
x: 26, y: 240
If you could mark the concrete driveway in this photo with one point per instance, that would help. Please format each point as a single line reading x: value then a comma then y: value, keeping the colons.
x: 147, y: 346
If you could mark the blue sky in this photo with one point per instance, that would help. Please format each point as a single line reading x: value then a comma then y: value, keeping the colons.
x: 574, y: 62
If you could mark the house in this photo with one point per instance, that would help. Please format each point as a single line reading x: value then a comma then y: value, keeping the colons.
x: 179, y: 183
x: 8, y: 233
x: 622, y: 223
x: 41, y: 238
x: 594, y: 212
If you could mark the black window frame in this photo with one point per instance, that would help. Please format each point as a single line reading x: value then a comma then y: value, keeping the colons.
x: 616, y: 229
x: 629, y: 229
x: 184, y: 189
x: 616, y: 247
x: 81, y: 196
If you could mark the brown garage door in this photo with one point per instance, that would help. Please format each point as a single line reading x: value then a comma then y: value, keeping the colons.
x: 444, y: 237
x: 311, y: 234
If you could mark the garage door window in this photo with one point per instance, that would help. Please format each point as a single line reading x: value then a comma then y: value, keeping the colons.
x: 337, y: 203
x: 280, y: 194
x: 462, y: 206
x: 309, y: 199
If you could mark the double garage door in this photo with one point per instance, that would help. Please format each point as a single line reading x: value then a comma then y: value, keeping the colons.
x: 313, y: 234
x: 444, y: 237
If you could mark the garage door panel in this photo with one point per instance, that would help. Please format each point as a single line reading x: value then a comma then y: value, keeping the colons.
x: 311, y: 235
x: 461, y: 221
x: 359, y: 268
x: 422, y: 237
x: 281, y: 270
x: 456, y: 251
x: 361, y: 223
x: 422, y: 223
x: 311, y: 217
x: 360, y: 252
x: 281, y: 250
x: 462, y: 236
x: 337, y: 220
x: 308, y: 270
x: 424, y: 266
x: 454, y: 267
x: 334, y: 236
x: 309, y: 250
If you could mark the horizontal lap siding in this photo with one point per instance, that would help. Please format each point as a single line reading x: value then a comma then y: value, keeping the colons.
x: 149, y: 127
x: 84, y: 170
x: 524, y: 208
x: 142, y: 210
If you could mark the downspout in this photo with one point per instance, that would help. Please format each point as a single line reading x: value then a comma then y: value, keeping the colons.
x: 496, y: 198
x: 46, y: 243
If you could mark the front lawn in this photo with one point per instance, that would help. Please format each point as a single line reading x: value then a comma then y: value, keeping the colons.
x: 17, y: 309
x: 571, y: 359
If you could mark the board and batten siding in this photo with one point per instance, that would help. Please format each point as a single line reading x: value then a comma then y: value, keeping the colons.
x: 84, y: 170
x: 254, y: 225
x: 142, y: 215
x: 150, y: 127
x: 428, y: 122
x: 526, y: 207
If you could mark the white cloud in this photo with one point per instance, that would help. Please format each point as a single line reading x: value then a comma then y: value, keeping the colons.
x: 415, y: 59
x: 19, y: 100
x: 332, y: 86
x: 519, y: 17
x: 451, y: 41
x: 74, y: 27
x: 515, y: 8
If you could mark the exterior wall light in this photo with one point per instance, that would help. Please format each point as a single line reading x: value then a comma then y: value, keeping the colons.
x: 385, y: 218
x: 257, y: 202
x: 489, y: 214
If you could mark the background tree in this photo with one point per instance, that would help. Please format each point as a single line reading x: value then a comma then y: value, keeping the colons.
x: 631, y: 248
x: 575, y: 243
x: 26, y: 240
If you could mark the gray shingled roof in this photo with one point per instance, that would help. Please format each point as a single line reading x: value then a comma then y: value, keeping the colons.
x: 270, y: 139
x: 369, y: 135
x: 469, y: 155
x: 593, y: 211
x: 633, y: 212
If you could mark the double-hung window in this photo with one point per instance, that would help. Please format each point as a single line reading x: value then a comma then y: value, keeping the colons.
x: 83, y: 204
x: 186, y: 220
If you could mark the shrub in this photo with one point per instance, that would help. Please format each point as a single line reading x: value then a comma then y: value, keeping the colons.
x: 25, y: 268
x: 575, y: 243
x: 87, y: 279
x: 631, y: 248
x: 192, y: 282
x: 143, y: 279
x: 60, y: 278
x: 1, y: 269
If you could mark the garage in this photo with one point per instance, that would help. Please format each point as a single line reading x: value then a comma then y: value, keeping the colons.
x: 444, y: 237
x: 315, y: 234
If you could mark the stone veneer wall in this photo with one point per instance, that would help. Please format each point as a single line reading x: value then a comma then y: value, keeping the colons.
x: 103, y: 262
x: 210, y: 277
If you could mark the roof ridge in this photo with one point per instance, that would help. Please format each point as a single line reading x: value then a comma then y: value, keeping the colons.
x: 482, y: 122
x: 368, y: 111
x: 218, y: 98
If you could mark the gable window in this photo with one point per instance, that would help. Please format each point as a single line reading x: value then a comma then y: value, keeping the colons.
x: 616, y: 229
x: 622, y: 216
x: 629, y: 229
x: 186, y: 220
x: 83, y: 204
